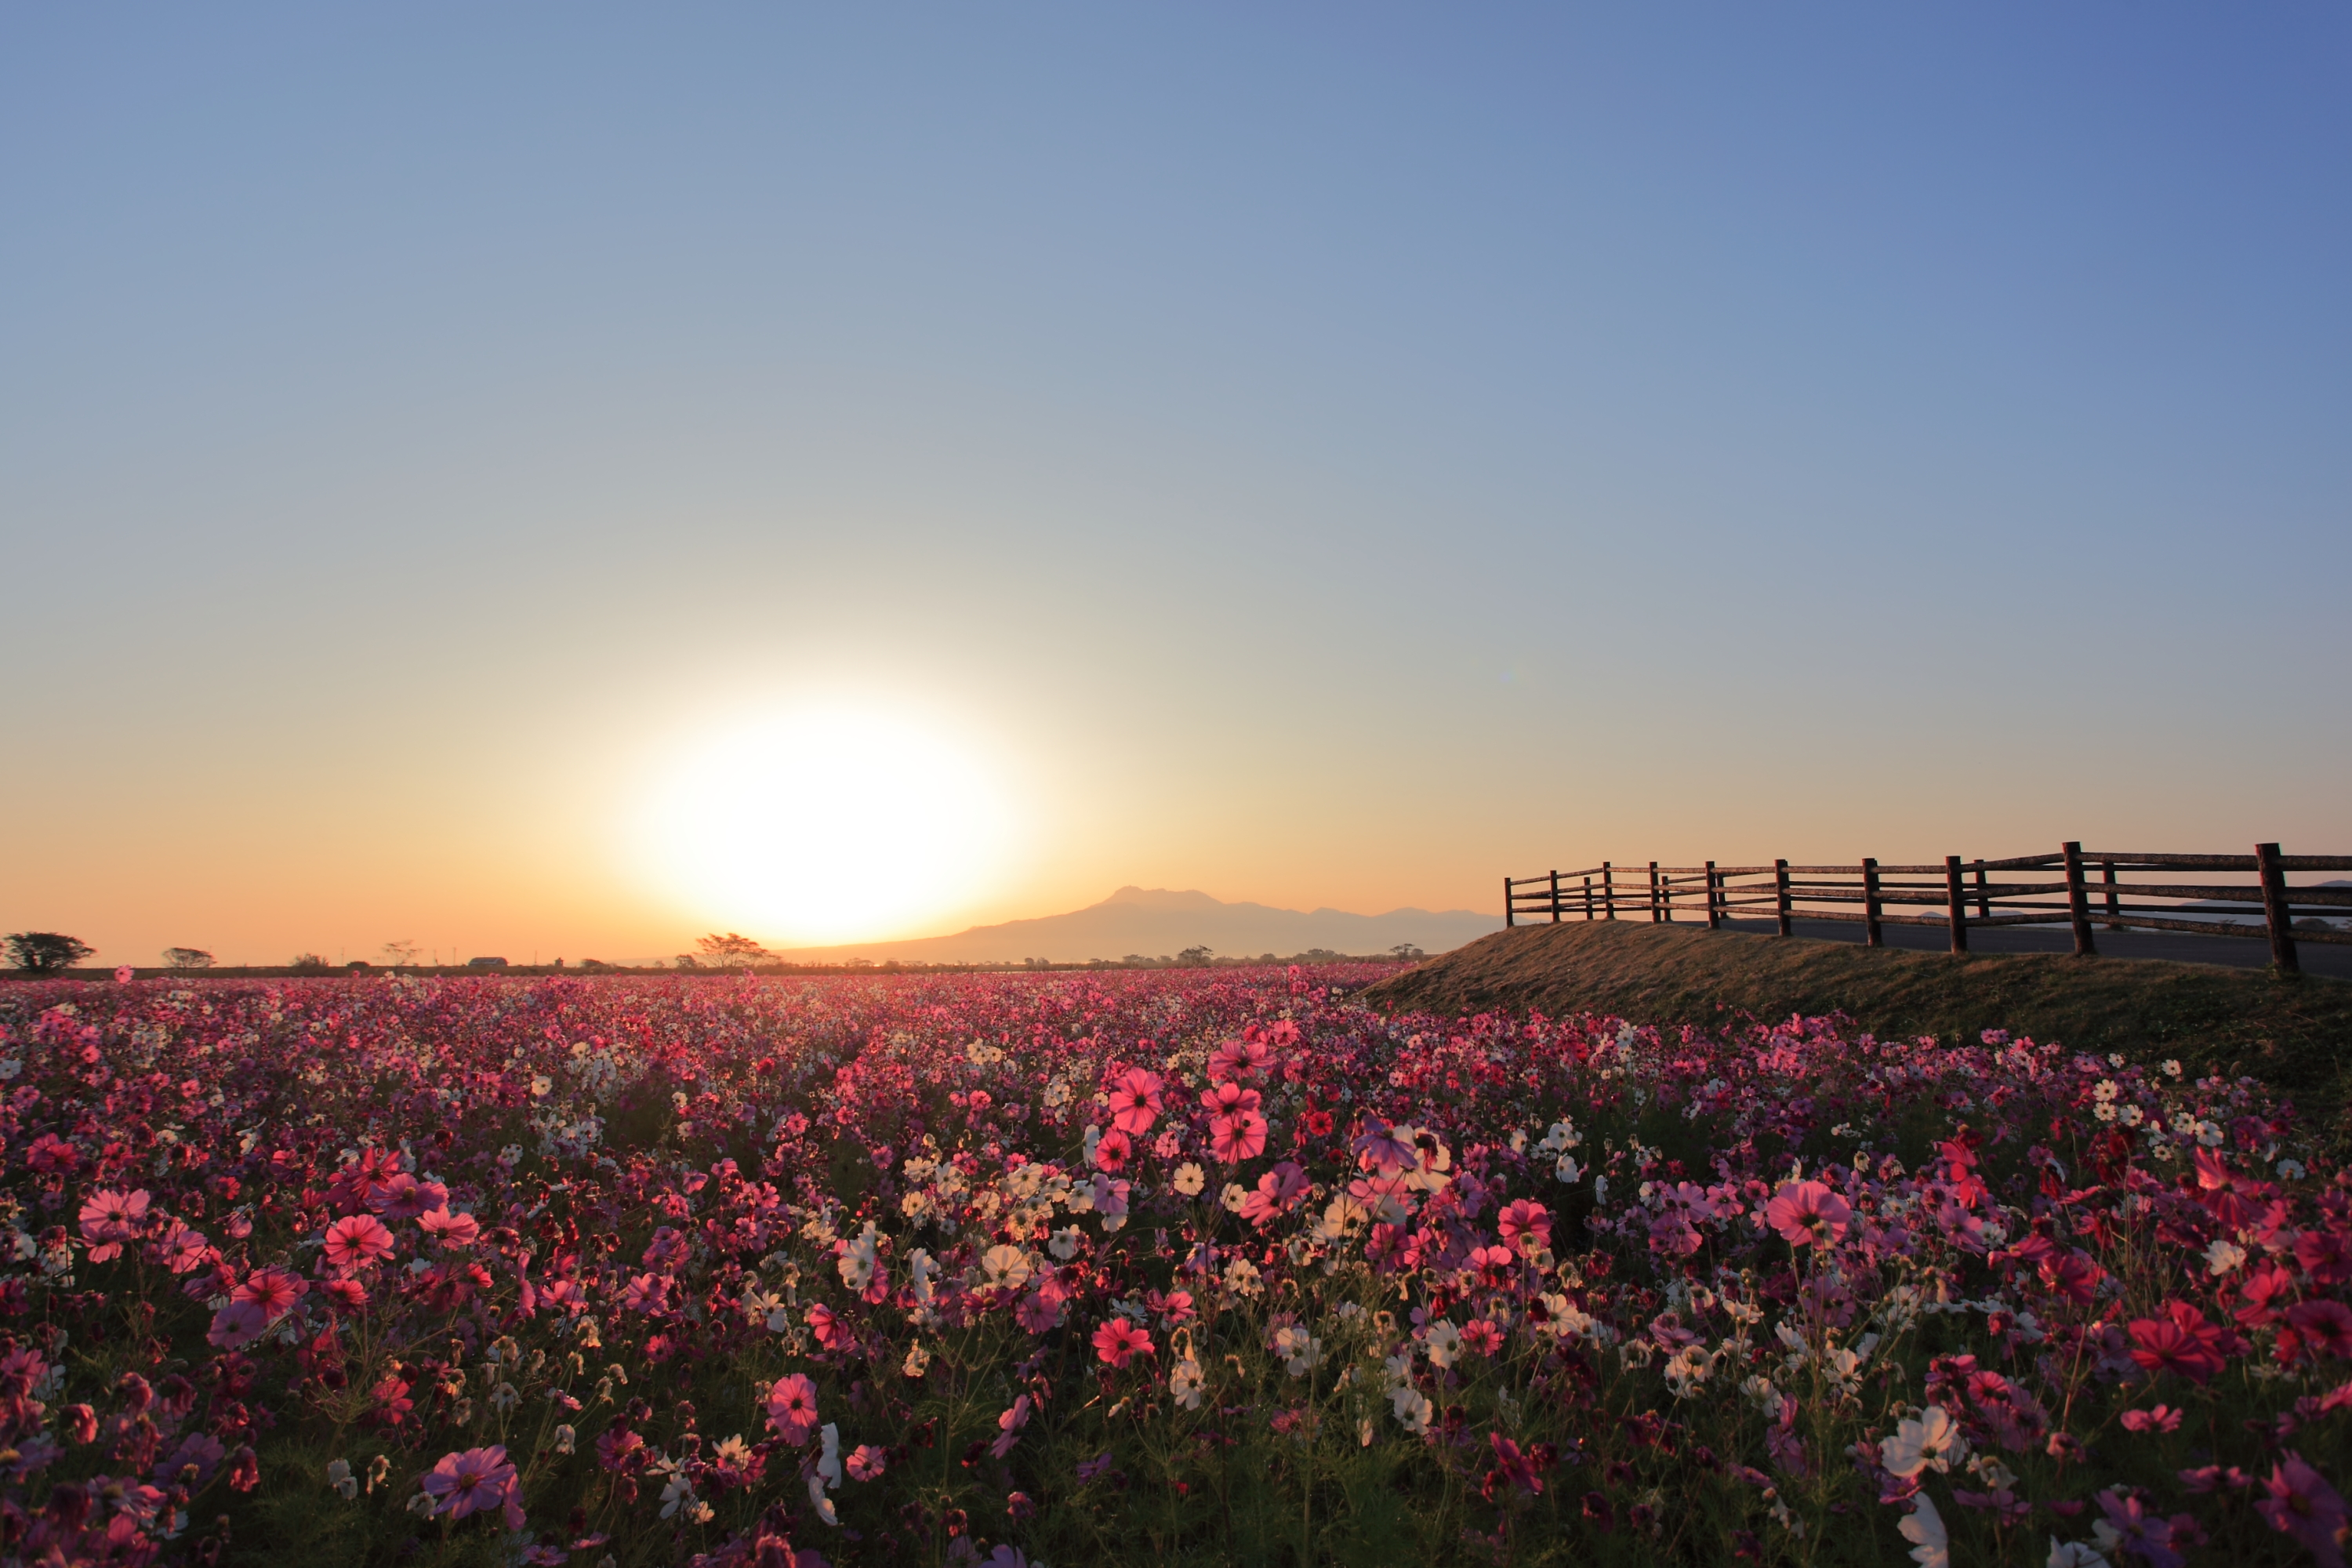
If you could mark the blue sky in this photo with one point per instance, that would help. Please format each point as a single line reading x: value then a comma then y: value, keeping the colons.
x: 1325, y: 455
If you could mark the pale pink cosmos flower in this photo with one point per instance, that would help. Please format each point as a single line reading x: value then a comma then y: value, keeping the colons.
x: 464, y: 1483
x: 1808, y: 1212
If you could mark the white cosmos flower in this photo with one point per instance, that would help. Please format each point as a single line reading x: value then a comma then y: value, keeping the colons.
x: 2223, y: 1256
x: 1924, y: 1526
x: 1930, y: 1440
x: 1412, y: 1408
x: 1186, y: 1383
x: 1191, y: 1178
x: 1444, y: 1343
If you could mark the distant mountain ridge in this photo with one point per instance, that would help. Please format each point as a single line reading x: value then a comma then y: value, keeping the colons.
x: 1156, y: 922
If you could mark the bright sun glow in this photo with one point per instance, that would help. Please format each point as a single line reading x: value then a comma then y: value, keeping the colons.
x: 826, y: 825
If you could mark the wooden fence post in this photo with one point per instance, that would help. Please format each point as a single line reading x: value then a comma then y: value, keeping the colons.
x: 1588, y: 898
x: 1654, y: 892
x: 1984, y: 901
x: 1510, y: 910
x: 1608, y: 892
x: 1780, y: 883
x: 1873, y: 933
x: 2108, y: 880
x: 1555, y: 895
x: 2276, y: 913
x: 2078, y: 897
x: 1956, y: 899
x: 1714, y: 909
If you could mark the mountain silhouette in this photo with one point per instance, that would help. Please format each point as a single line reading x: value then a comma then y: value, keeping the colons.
x: 1156, y: 922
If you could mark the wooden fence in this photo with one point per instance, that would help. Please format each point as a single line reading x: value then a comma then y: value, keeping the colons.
x: 2094, y: 887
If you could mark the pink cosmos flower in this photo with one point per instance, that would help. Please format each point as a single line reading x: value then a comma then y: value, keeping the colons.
x: 1120, y: 1342
x: 1009, y: 1426
x: 236, y: 1325
x: 345, y: 1295
x: 449, y: 1229
x: 185, y: 1248
x: 1112, y: 1148
x: 357, y: 1240
x: 2163, y: 1418
x: 792, y: 1407
x: 2302, y: 1504
x: 1521, y: 1217
x: 2325, y: 1255
x: 1039, y: 1311
x: 464, y: 1483
x: 273, y: 1290
x: 2182, y: 1341
x: 830, y: 1331
x: 1380, y: 1149
x: 1808, y: 1212
x: 406, y: 1197
x: 122, y: 974
x: 1238, y: 1137
x: 2323, y: 1327
x: 1239, y: 1058
x: 1225, y: 1099
x: 110, y: 1215
x: 1513, y: 1465
x: 1135, y: 1101
x: 866, y: 1463
x: 2142, y: 1534
x: 1277, y: 1190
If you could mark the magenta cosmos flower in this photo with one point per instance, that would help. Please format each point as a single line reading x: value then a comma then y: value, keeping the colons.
x: 2302, y: 1504
x: 462, y: 1483
x: 1808, y: 1212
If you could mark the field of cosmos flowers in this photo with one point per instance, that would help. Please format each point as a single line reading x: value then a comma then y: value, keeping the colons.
x: 1214, y: 1266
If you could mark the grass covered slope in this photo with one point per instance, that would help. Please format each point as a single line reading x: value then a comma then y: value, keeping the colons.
x: 2295, y: 1034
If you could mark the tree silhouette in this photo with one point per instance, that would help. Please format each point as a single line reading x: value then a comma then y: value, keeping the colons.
x: 47, y: 951
x: 732, y: 948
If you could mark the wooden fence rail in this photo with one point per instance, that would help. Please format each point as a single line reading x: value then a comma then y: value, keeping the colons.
x: 2090, y: 887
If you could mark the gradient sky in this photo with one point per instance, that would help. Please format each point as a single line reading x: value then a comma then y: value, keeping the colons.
x: 1315, y: 455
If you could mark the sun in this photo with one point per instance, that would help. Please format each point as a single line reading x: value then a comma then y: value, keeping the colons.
x: 827, y: 824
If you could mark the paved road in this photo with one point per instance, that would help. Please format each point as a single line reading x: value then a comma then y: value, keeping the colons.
x: 2183, y: 947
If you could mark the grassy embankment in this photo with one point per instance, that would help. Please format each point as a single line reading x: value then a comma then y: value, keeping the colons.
x: 2295, y: 1034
